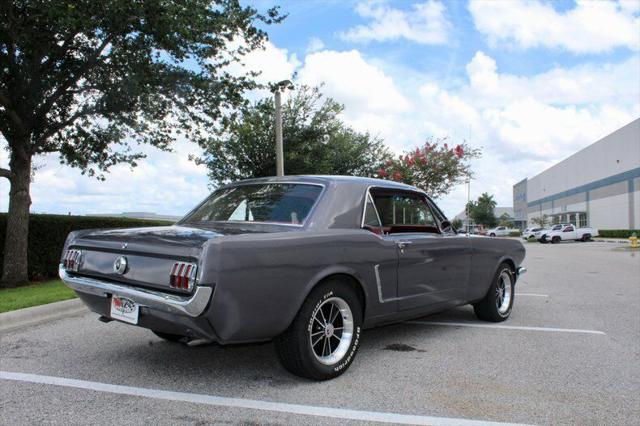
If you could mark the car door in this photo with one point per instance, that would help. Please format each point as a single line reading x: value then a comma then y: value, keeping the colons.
x: 569, y: 233
x: 433, y: 265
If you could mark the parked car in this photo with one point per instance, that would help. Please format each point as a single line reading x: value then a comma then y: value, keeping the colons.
x: 309, y: 261
x: 498, y: 231
x: 570, y: 232
x: 530, y: 233
x: 541, y: 235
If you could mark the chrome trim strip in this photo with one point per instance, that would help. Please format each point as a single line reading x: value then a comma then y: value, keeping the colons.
x: 521, y: 270
x: 376, y: 269
x: 191, y: 306
x: 368, y: 198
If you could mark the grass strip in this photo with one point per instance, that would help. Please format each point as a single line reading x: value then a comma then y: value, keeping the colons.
x: 33, y: 295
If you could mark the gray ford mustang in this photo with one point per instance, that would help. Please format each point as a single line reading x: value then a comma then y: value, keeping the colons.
x: 309, y: 261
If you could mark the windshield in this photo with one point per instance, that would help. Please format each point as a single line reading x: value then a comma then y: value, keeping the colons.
x: 287, y: 204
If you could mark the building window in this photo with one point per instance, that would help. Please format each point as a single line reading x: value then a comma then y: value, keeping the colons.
x: 582, y: 220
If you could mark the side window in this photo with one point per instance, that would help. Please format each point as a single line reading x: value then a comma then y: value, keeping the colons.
x: 370, y: 219
x: 569, y: 229
x: 403, y: 211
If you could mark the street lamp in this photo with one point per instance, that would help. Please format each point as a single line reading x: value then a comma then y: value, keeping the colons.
x: 277, y: 90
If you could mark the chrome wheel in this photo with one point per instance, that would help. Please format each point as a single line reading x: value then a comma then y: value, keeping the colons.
x: 332, y: 330
x: 503, y: 292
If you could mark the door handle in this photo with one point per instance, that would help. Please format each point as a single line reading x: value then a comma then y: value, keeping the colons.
x: 402, y: 245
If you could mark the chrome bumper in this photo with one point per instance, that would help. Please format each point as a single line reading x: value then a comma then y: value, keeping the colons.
x: 192, y: 305
x: 521, y: 270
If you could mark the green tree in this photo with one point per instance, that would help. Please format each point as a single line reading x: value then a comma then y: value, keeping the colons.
x: 316, y: 141
x: 541, y: 221
x: 91, y: 80
x: 505, y: 220
x: 456, y: 223
x: 481, y: 211
x: 434, y: 167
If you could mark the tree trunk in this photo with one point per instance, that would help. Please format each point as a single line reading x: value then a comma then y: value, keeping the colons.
x: 14, y: 271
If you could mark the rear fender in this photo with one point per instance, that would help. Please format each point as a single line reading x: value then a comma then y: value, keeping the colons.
x: 328, y: 272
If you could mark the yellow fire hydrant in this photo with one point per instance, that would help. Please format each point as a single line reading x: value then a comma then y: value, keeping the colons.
x: 633, y: 239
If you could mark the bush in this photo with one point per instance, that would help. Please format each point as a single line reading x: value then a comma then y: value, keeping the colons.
x: 515, y: 233
x: 47, y: 234
x: 618, y: 233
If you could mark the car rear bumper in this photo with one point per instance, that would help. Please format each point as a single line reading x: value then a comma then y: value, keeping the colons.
x: 191, y: 306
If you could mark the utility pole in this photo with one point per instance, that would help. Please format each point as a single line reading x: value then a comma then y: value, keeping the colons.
x: 277, y: 90
x: 468, y: 193
x: 279, y: 148
x: 468, y: 202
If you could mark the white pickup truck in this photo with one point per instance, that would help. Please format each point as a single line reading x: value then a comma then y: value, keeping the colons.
x: 569, y: 232
x: 541, y: 234
x: 499, y: 231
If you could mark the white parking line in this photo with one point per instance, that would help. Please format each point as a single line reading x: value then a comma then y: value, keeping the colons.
x: 532, y: 294
x: 508, y: 327
x: 307, y: 410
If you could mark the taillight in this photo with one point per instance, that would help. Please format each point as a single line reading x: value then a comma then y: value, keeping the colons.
x: 72, y: 260
x: 183, y: 275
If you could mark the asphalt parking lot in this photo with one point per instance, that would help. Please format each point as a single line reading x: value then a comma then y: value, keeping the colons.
x: 569, y: 354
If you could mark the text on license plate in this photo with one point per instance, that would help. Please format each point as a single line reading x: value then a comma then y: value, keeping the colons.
x: 124, y: 309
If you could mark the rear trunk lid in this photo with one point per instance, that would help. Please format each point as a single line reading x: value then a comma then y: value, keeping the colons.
x: 150, y: 255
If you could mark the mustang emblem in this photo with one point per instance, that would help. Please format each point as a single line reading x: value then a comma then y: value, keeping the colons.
x: 120, y: 265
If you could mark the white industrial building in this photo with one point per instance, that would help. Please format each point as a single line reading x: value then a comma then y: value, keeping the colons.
x: 598, y: 186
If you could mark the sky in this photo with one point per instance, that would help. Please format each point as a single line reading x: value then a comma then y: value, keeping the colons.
x: 528, y: 82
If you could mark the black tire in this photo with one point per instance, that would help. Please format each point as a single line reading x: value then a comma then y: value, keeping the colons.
x: 294, y: 346
x: 492, y: 235
x: 487, y: 309
x: 586, y: 237
x: 555, y: 240
x: 167, y: 336
x: 543, y: 240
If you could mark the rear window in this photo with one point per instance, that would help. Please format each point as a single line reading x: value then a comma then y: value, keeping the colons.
x: 287, y: 204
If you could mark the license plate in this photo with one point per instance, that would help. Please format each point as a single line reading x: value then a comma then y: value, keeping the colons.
x: 124, y: 309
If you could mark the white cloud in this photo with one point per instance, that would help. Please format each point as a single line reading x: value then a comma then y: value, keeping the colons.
x: 548, y: 115
x: 589, y: 27
x: 350, y: 79
x: 373, y: 102
x: 424, y: 23
x: 163, y: 183
x: 522, y: 123
x: 273, y: 64
x: 582, y: 84
x: 315, y: 45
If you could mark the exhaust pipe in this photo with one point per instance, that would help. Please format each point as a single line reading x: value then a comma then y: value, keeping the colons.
x: 199, y: 342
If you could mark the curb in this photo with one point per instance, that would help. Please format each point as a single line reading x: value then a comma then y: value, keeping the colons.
x: 13, y: 320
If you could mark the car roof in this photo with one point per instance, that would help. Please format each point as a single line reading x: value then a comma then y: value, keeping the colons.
x: 325, y: 179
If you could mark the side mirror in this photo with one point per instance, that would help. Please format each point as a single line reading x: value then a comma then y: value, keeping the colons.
x: 446, y: 226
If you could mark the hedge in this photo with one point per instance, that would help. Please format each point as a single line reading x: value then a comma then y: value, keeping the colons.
x: 515, y: 233
x: 618, y: 233
x: 47, y: 234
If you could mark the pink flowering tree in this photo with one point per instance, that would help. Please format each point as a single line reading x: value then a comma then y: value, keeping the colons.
x: 434, y: 167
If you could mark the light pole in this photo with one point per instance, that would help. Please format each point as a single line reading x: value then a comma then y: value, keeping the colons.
x: 277, y: 90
